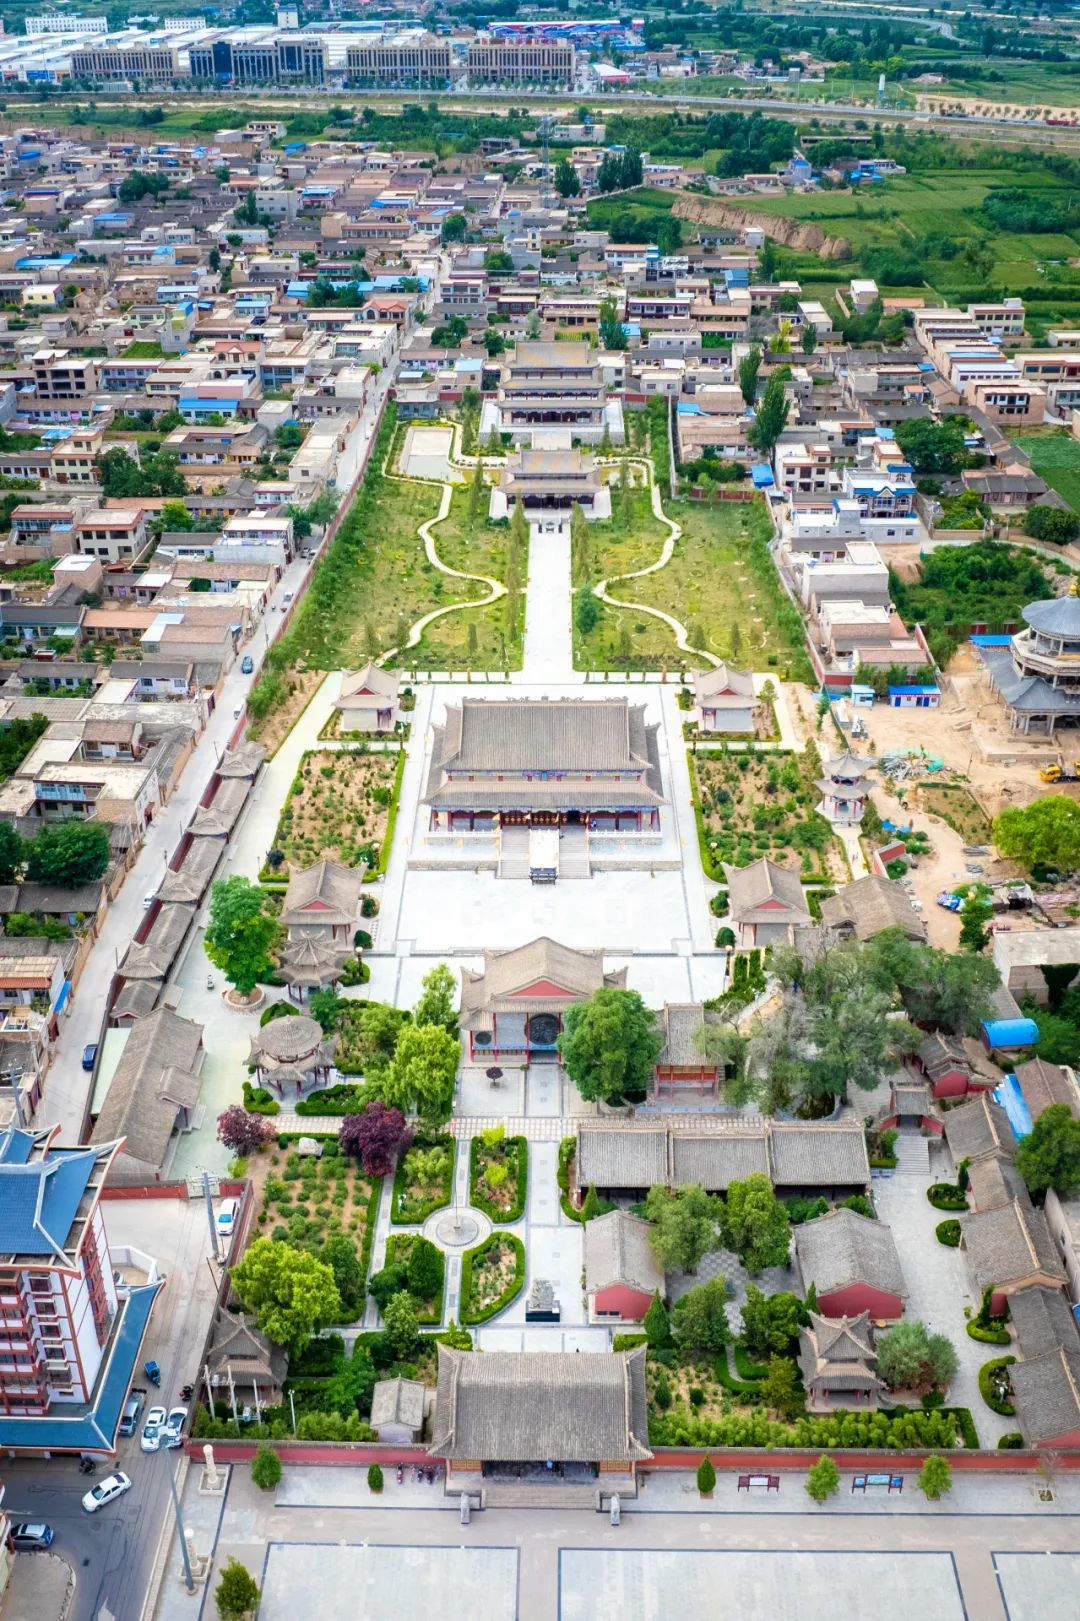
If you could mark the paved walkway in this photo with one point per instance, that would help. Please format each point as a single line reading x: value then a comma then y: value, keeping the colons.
x: 549, y: 654
x: 807, y: 1562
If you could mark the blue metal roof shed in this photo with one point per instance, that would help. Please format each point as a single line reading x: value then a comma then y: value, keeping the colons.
x: 762, y: 476
x: 1010, y: 1032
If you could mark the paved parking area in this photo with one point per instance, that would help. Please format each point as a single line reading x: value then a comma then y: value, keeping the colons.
x: 1039, y: 1586
x: 339, y: 1583
x: 641, y: 1584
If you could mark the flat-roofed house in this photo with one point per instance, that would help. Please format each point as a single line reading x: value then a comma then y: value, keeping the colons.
x: 591, y: 762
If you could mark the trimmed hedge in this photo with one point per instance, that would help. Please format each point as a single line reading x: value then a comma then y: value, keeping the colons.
x: 947, y: 1196
x: 344, y: 1098
x: 744, y: 1367
x: 1012, y: 1442
x: 257, y: 1100
x: 567, y: 1150
x: 745, y: 1389
x: 938, y: 1431
x: 628, y: 1342
x: 511, y: 1292
x: 948, y: 1232
x: 515, y: 1211
x: 996, y: 1404
x: 988, y: 1336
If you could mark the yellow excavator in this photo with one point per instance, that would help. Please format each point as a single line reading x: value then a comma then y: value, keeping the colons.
x: 1057, y: 773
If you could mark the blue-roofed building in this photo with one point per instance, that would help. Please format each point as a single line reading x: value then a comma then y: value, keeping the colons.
x: 72, y: 1338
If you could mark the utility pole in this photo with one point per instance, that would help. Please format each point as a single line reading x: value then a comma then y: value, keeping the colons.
x: 189, y: 1580
x: 209, y: 1197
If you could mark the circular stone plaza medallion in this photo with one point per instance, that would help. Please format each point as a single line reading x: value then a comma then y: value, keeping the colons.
x: 458, y: 1228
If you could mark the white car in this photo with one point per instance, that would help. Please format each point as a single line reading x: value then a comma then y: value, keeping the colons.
x: 152, y: 1429
x: 105, y: 1491
x: 226, y: 1216
x: 172, y: 1434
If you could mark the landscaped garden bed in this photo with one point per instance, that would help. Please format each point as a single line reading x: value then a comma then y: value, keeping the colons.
x: 340, y: 805
x: 398, y: 1249
x: 954, y: 803
x: 565, y: 1177
x: 751, y: 805
x: 948, y: 1233
x: 947, y: 1196
x: 492, y: 1275
x: 498, y: 1174
x: 994, y: 1386
x: 424, y: 1180
x: 305, y: 1200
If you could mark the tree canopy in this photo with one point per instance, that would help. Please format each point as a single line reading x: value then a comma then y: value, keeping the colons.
x: 911, y: 1358
x: 438, y: 993
x: 377, y: 1138
x: 421, y: 1074
x: 242, y: 933
x: 68, y: 854
x: 771, y: 418
x: 1045, y: 833
x: 292, y: 1293
x: 684, y: 1226
x: 700, y: 1318
x: 1049, y: 1156
x: 755, y: 1223
x: 609, y: 1044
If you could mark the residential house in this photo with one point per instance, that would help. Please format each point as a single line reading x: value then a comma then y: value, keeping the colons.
x: 853, y: 1263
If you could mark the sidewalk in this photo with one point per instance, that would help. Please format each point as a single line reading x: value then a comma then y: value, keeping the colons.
x: 40, y: 1589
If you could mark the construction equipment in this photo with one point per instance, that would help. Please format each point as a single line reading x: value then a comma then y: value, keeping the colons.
x: 1057, y: 773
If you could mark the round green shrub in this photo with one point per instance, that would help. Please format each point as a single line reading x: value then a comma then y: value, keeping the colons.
x: 948, y: 1232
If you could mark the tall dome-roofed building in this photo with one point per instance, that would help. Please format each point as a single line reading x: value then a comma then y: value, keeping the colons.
x: 1038, y: 675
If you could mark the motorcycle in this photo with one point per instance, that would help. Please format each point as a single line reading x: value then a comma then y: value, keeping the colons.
x: 186, y: 1392
x: 400, y: 1474
x: 87, y: 1466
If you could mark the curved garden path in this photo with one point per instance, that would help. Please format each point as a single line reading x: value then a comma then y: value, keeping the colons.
x: 495, y: 588
x: 677, y: 628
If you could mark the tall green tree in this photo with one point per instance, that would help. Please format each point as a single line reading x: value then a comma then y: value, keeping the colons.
x: 422, y: 1072
x: 339, y: 1253
x: 567, y: 179
x: 700, y: 1319
x: 771, y: 418
x: 1049, y: 1156
x: 657, y: 1323
x: 401, y: 1324
x: 1045, y: 833
x: 610, y: 328
x: 237, y: 1593
x: 292, y: 1293
x: 749, y: 366
x: 823, y: 1480
x: 756, y: 1224
x: 68, y: 854
x: 609, y: 1044
x: 242, y: 934
x: 935, y: 1477
x: 684, y: 1226
x: 438, y: 993
x: 780, y: 1388
x: 770, y: 1323
x: 911, y: 1358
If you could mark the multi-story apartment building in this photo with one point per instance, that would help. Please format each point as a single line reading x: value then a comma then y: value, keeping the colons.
x: 518, y: 61
x: 408, y: 58
x: 60, y: 375
x: 69, y: 1338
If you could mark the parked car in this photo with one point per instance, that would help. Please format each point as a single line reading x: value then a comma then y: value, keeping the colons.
x: 247, y: 664
x: 129, y: 1418
x: 89, y: 1055
x: 286, y: 599
x: 172, y: 1434
x: 226, y: 1216
x: 152, y: 1429
x: 31, y: 1537
x: 106, y: 1491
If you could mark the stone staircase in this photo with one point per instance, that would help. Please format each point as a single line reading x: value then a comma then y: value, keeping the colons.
x: 912, y: 1155
x: 514, y: 852
x: 543, y: 1496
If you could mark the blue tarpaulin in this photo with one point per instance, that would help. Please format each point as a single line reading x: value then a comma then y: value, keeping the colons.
x: 1012, y: 1100
x: 983, y: 640
x: 762, y: 475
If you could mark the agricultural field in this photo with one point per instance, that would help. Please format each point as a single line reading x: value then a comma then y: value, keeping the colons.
x: 1055, y: 456
x: 339, y: 806
x: 953, y: 802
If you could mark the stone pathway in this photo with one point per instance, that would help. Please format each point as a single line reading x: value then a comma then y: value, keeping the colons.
x: 549, y: 653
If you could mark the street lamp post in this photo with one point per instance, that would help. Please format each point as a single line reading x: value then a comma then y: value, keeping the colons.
x: 189, y: 1580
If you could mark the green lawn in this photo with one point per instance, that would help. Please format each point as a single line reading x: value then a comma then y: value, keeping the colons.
x: 721, y: 583
x: 477, y: 547
x: 1055, y: 456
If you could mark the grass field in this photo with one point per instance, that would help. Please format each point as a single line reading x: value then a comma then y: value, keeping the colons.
x: 478, y: 547
x: 1055, y: 456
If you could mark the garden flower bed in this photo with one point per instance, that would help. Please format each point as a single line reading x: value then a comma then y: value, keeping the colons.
x: 751, y: 805
x: 305, y: 1200
x: 424, y: 1180
x: 398, y: 1248
x: 498, y: 1175
x: 492, y: 1275
x: 339, y: 805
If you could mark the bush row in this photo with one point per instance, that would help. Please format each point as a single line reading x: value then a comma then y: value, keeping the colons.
x: 996, y: 1404
x: 567, y: 1150
x: 896, y: 1431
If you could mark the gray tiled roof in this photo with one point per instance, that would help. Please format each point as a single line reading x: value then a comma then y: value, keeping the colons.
x: 333, y: 888
x: 869, y: 905
x: 579, y: 973
x: 398, y: 1401
x: 680, y: 1023
x: 843, y: 1248
x: 1047, y: 1393
x: 617, y: 1250
x: 979, y: 1127
x: 156, y: 1075
x: 1010, y: 1245
x: 724, y: 681
x: 823, y: 1155
x: 993, y: 1181
x: 750, y: 887
x: 1045, y: 1084
x: 1042, y: 1319
x: 517, y: 1406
